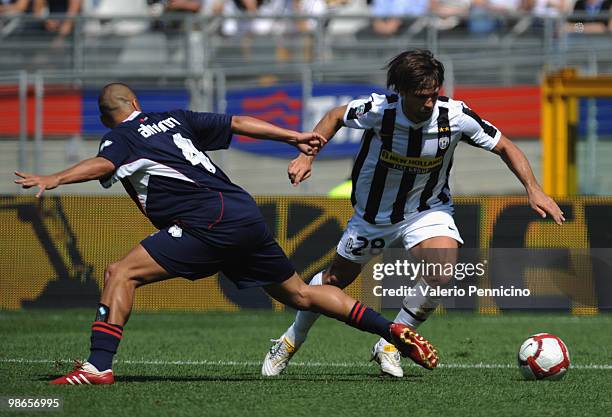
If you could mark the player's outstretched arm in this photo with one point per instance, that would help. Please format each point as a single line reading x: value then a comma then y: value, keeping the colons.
x: 89, y: 169
x: 301, y: 167
x: 331, y: 122
x: 519, y: 165
x: 308, y: 143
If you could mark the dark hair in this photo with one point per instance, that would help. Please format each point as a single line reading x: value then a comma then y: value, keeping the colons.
x: 414, y: 70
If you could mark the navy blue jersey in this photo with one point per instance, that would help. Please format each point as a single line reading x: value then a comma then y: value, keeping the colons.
x: 160, y: 159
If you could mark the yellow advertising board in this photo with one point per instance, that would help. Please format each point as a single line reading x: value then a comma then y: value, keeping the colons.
x: 54, y: 251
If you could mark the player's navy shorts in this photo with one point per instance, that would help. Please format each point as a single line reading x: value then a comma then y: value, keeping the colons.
x: 248, y: 255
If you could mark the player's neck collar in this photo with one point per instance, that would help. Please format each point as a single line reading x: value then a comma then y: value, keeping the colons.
x: 132, y: 116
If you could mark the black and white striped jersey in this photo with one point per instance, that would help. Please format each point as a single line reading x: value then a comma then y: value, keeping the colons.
x: 402, y: 168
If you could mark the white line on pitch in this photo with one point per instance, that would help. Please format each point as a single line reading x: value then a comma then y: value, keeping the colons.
x: 304, y: 364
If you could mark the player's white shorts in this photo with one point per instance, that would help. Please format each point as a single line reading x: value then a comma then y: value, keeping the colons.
x: 362, y: 240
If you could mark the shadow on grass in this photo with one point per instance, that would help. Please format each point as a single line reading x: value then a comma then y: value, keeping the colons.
x: 245, y: 377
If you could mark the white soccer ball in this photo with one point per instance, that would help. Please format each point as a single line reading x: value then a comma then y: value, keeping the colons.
x: 543, y: 356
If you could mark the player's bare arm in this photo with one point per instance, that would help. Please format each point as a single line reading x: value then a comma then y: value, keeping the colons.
x: 300, y: 168
x: 87, y: 170
x: 519, y: 165
x: 308, y: 143
x: 333, y: 120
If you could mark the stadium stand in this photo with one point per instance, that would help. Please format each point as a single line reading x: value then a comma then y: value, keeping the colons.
x: 205, y: 54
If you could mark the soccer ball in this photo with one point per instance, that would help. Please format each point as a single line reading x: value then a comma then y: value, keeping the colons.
x: 543, y: 356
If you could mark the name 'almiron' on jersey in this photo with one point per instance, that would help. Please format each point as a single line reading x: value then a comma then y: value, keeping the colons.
x: 402, y: 167
x: 160, y: 159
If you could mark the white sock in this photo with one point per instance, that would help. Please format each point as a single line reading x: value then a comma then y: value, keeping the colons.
x: 304, y: 320
x: 417, y: 309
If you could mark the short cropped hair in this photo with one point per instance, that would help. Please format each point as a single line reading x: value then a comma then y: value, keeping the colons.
x: 414, y: 70
x: 114, y: 97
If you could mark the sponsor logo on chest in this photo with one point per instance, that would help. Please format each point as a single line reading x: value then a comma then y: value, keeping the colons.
x: 414, y: 165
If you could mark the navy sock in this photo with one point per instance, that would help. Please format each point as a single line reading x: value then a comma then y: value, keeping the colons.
x: 368, y: 320
x: 105, y: 340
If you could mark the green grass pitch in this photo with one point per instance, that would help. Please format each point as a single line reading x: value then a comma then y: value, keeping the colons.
x: 207, y: 364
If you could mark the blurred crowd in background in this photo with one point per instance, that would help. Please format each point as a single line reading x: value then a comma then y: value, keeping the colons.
x: 380, y: 18
x: 286, y: 61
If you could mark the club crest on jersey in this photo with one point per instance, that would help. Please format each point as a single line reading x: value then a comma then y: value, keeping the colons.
x: 444, y: 133
x: 443, y: 142
x: 359, y: 111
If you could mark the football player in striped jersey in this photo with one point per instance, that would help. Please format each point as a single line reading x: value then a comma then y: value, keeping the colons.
x: 400, y: 188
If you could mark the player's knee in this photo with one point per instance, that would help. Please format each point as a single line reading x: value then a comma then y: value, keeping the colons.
x: 341, y: 274
x: 335, y: 280
x: 110, y: 273
x: 302, y: 298
x: 115, y: 273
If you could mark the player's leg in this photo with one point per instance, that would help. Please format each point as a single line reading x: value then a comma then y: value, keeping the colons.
x: 346, y: 266
x: 439, y: 250
x: 433, y: 238
x: 121, y: 279
x: 333, y: 302
x: 353, y: 251
x: 341, y: 274
x: 325, y: 299
x: 416, y: 309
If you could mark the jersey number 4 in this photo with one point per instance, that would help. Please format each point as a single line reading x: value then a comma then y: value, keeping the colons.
x: 192, y: 154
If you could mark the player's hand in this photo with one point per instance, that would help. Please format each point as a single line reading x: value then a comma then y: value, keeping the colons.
x: 307, y: 149
x: 309, y: 143
x: 299, y: 169
x: 544, y: 205
x: 44, y: 182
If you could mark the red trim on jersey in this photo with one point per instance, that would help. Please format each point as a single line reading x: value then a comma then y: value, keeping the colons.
x: 129, y: 188
x: 210, y: 226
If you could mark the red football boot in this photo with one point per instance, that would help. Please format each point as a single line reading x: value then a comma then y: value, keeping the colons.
x: 85, y: 374
x: 413, y: 345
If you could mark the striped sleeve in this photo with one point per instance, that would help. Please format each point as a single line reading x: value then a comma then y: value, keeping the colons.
x: 476, y: 131
x: 365, y: 113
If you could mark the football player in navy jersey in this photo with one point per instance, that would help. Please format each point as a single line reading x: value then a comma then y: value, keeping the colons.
x: 206, y: 223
